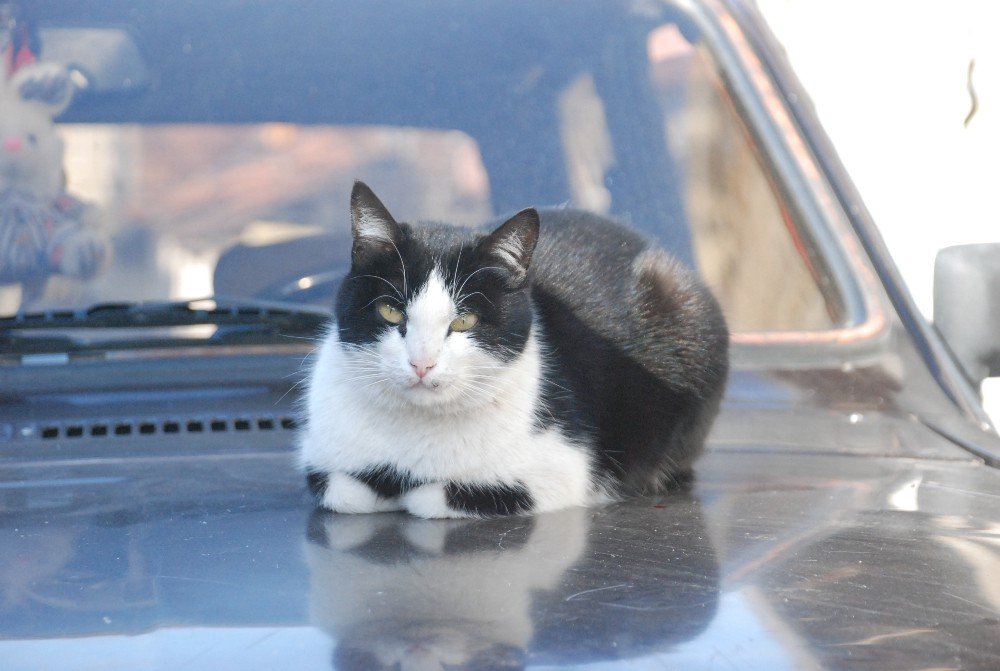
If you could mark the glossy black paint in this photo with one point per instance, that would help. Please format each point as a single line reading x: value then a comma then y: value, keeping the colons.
x: 817, y: 535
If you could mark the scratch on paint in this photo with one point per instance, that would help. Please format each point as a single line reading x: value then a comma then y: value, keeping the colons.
x: 968, y: 601
x: 192, y: 579
x: 597, y: 589
x: 871, y: 640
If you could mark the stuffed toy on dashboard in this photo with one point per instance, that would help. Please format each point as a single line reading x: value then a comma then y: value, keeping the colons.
x: 44, y: 230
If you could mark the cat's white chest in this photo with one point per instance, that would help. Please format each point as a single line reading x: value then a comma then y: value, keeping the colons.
x: 349, y: 430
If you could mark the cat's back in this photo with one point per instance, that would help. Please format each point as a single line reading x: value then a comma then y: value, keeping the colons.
x: 592, y: 269
x: 581, y: 256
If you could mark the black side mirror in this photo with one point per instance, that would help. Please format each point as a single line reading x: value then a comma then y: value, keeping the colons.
x: 967, y: 306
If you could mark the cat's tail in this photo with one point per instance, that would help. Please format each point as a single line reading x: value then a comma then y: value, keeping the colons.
x: 683, y: 341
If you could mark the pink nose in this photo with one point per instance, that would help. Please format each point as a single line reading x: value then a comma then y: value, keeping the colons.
x: 12, y: 144
x: 422, y: 368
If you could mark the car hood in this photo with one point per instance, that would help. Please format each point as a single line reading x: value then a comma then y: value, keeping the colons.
x: 866, y: 542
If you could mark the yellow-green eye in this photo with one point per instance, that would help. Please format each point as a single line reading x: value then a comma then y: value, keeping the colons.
x: 389, y: 313
x: 464, y: 322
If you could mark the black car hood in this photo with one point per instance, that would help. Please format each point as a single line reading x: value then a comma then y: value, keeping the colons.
x: 868, y: 541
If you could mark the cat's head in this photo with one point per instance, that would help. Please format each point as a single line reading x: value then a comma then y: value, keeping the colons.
x: 432, y: 315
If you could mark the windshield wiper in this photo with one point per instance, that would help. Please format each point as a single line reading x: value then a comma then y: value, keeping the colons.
x: 157, y: 324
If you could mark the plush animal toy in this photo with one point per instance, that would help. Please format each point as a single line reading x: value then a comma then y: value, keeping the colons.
x: 44, y: 231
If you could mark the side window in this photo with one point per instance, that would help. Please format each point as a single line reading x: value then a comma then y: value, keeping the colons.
x: 745, y: 243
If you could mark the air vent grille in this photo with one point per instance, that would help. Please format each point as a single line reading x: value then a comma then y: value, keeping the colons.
x: 147, y: 427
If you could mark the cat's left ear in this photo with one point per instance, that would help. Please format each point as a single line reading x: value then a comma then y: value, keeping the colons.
x: 512, y: 244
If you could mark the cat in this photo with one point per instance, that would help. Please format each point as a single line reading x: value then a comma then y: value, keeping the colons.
x: 559, y: 360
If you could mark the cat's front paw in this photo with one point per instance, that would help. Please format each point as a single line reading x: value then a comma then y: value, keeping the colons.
x: 430, y: 501
x: 456, y: 500
x: 343, y: 493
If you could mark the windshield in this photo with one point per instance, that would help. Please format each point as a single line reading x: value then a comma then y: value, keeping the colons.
x: 189, y: 160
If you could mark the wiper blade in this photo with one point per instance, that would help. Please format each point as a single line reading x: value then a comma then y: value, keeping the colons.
x: 217, y: 311
x: 237, y: 321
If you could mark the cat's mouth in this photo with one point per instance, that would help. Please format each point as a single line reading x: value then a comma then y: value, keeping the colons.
x: 421, y: 385
x: 425, y: 394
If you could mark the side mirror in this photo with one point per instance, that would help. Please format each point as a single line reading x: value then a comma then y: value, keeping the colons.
x: 967, y: 306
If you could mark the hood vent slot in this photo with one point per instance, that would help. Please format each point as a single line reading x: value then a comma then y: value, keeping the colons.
x: 112, y: 428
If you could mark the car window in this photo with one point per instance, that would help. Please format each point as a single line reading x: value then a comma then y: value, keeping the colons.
x: 226, y: 170
x: 180, y: 196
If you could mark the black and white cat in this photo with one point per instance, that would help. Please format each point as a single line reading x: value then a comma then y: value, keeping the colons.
x: 560, y: 360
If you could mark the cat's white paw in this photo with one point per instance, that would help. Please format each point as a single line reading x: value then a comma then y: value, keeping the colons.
x: 429, y: 501
x: 345, y: 494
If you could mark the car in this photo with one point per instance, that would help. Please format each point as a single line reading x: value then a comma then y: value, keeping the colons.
x: 845, y: 513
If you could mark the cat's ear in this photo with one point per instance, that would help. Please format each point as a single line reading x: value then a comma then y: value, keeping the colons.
x: 512, y: 244
x: 375, y: 231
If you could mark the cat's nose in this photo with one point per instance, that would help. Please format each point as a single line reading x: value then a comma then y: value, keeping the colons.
x: 422, y: 367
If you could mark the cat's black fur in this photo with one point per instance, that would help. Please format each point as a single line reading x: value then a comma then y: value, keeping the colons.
x: 645, y: 355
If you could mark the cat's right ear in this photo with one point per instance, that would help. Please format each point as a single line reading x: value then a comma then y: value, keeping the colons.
x: 374, y: 230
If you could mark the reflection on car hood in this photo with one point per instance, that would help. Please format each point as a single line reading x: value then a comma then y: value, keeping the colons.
x: 777, y: 559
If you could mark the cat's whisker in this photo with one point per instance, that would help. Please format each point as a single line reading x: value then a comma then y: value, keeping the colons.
x: 483, y: 379
x: 359, y: 370
x: 550, y: 381
x: 474, y: 293
x: 479, y: 376
x: 358, y: 346
x: 458, y: 261
x: 289, y: 391
x: 364, y: 371
x: 480, y: 384
x: 357, y: 378
x: 616, y: 462
x: 372, y: 383
x: 301, y: 370
x: 376, y: 277
x: 484, y: 392
x: 360, y: 350
x: 364, y: 359
x: 471, y: 374
x: 402, y: 265
x: 363, y: 354
x: 476, y: 272
x: 312, y: 339
x: 487, y: 379
x: 484, y: 389
x: 375, y: 299
x: 478, y: 396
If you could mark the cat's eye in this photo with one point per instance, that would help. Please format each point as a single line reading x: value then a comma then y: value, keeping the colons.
x: 464, y: 322
x: 389, y: 313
